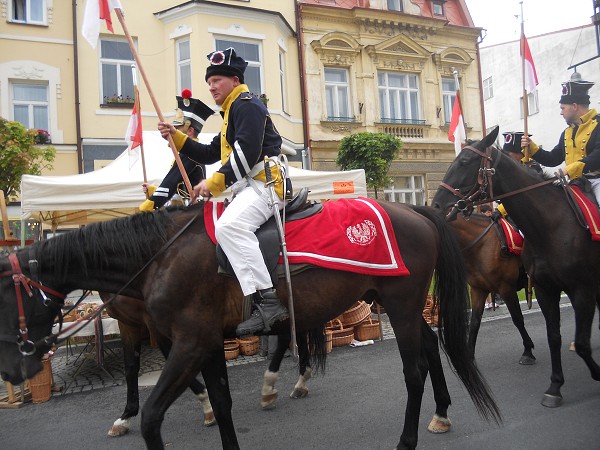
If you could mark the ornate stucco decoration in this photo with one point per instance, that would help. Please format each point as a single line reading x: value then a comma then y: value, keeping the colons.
x: 386, y: 27
x: 336, y: 49
x: 452, y: 58
x: 399, y: 52
x: 28, y: 72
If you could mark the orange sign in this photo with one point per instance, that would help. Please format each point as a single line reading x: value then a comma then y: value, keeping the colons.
x: 343, y: 187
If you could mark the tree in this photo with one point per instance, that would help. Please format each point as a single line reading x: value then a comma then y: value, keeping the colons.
x: 373, y: 152
x: 19, y: 155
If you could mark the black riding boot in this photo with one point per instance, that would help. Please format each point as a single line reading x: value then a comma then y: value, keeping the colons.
x: 266, y: 311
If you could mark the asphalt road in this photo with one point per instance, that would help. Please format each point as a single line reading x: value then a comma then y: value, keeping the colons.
x: 358, y: 404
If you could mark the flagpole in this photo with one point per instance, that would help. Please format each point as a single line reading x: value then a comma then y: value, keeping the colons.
x: 525, y: 97
x: 184, y: 174
x: 138, y: 111
x: 455, y: 73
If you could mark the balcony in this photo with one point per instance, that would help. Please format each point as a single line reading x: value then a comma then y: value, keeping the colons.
x: 403, y: 128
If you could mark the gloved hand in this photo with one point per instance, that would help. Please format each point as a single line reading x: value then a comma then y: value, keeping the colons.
x: 496, y: 215
x: 550, y: 172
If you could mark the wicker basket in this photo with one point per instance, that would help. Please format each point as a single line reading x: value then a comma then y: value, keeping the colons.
x: 328, y: 340
x: 356, y: 314
x: 232, y: 349
x: 249, y: 346
x: 374, y: 306
x: 40, y: 384
x: 369, y: 329
x: 341, y: 335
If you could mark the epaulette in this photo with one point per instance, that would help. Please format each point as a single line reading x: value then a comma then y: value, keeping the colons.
x: 246, y: 96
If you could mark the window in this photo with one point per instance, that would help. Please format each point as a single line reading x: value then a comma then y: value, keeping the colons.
x: 406, y: 189
x: 488, y: 88
x: 117, y: 78
x: 398, y: 98
x: 394, y: 5
x: 449, y: 89
x: 438, y: 7
x: 184, y: 65
x: 28, y: 11
x: 337, y: 95
x: 532, y: 104
x: 282, y: 77
x: 30, y: 105
x: 251, y: 54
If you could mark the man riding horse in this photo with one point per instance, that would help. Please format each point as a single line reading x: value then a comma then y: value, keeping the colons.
x: 247, y: 136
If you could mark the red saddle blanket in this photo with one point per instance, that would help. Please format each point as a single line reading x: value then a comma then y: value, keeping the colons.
x: 590, y: 212
x: 354, y: 235
x: 513, y: 237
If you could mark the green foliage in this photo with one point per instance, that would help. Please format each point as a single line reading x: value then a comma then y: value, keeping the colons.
x: 373, y: 152
x: 19, y: 155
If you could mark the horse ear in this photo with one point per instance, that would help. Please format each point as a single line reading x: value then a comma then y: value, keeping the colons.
x: 491, y: 137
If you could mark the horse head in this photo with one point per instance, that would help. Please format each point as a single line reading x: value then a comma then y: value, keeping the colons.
x: 27, y: 312
x: 468, y: 178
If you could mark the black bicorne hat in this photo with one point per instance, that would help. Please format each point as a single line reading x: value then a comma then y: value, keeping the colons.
x: 192, y: 110
x: 576, y: 91
x: 512, y: 141
x: 226, y: 63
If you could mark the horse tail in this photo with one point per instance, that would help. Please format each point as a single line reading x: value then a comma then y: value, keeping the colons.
x: 451, y: 292
x: 317, y: 349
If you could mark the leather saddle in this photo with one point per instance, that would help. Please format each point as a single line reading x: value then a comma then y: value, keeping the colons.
x: 268, y: 236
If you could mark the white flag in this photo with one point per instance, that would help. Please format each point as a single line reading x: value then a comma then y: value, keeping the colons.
x: 95, y: 11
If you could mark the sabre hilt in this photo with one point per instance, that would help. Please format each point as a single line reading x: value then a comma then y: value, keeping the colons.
x: 268, y: 174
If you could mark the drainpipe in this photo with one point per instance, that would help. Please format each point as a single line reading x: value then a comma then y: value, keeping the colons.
x: 481, y: 101
x: 76, y: 79
x: 306, y: 153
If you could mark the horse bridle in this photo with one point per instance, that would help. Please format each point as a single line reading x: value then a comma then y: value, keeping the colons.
x: 482, y: 191
x: 26, y: 346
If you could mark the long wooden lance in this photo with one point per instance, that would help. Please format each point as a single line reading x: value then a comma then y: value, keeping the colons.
x: 184, y: 174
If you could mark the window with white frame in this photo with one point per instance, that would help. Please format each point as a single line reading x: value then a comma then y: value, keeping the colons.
x: 251, y: 52
x: 28, y: 11
x: 337, y: 94
x: 282, y: 77
x: 30, y: 104
x: 184, y: 65
x: 398, y: 98
x: 394, y: 5
x: 449, y: 89
x: 488, y: 88
x: 438, y: 7
x: 407, y: 189
x: 116, y: 60
x: 532, y: 104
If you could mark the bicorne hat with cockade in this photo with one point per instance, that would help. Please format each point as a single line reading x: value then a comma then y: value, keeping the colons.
x: 226, y: 62
x: 512, y: 141
x: 191, y: 110
x: 576, y: 91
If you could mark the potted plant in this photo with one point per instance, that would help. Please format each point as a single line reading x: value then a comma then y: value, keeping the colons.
x: 118, y: 99
x: 42, y: 137
x: 263, y: 98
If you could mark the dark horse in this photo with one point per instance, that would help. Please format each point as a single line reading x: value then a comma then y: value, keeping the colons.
x: 167, y: 258
x: 558, y: 255
x: 490, y: 270
x: 133, y: 320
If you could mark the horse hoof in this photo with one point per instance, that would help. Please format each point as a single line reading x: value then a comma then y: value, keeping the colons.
x: 299, y: 393
x: 551, y: 401
x: 439, y: 425
x: 527, y: 360
x: 117, y: 430
x: 209, y: 420
x: 268, y: 401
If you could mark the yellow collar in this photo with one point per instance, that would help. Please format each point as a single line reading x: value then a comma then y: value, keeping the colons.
x: 233, y: 95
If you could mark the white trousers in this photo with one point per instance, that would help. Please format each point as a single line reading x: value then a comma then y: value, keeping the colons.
x: 595, y: 182
x: 235, y: 233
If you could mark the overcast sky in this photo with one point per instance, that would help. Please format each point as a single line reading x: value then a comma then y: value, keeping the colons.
x: 502, y: 18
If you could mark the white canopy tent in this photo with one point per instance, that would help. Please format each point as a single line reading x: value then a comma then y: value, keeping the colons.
x: 116, y: 190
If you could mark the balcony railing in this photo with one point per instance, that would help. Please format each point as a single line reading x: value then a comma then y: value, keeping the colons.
x: 340, y: 119
x: 402, y: 128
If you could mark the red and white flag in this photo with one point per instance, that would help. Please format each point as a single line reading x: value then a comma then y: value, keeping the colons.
x: 95, y: 11
x: 133, y: 136
x: 531, y: 80
x: 456, y: 132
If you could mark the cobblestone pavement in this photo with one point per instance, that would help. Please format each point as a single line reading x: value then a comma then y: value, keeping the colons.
x: 73, y: 373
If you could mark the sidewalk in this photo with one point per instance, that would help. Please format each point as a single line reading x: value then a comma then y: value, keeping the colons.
x: 90, y: 376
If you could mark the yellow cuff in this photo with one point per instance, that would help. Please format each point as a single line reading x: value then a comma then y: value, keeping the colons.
x: 502, y: 210
x: 575, y: 170
x: 147, y: 205
x: 179, y: 139
x: 533, y: 148
x: 151, y: 190
x: 216, y: 183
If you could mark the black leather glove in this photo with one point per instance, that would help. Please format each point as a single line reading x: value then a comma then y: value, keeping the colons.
x: 496, y: 215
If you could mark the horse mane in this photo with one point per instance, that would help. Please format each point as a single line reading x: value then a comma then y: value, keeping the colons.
x: 136, y: 238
